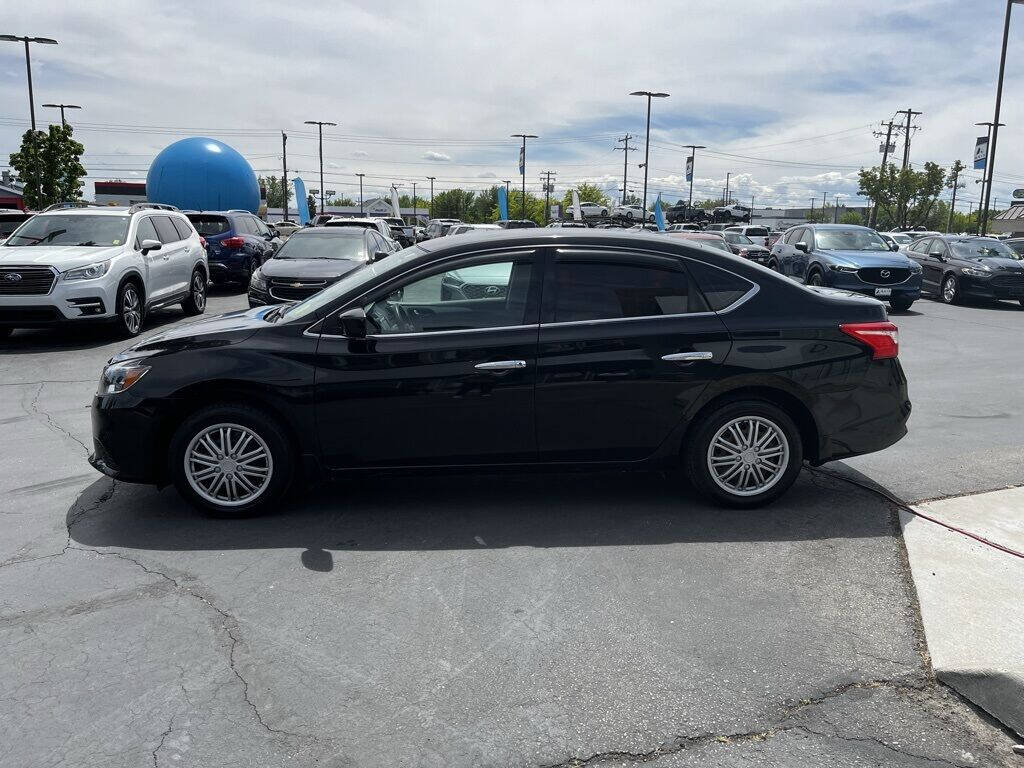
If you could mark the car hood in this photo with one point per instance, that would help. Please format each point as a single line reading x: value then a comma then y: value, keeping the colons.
x: 755, y: 248
x: 868, y: 258
x: 61, y: 257
x: 220, y: 331
x: 999, y: 264
x: 320, y: 269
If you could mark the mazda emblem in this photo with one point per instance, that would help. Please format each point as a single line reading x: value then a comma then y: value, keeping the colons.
x: 12, y: 277
x: 884, y: 273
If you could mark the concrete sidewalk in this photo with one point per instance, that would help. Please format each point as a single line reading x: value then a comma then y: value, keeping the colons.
x: 972, y: 597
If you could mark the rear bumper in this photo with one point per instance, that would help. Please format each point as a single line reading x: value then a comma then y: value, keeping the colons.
x: 230, y: 269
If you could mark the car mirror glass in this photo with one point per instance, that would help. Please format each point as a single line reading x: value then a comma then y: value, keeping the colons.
x: 151, y: 245
x: 894, y: 247
x: 353, y: 323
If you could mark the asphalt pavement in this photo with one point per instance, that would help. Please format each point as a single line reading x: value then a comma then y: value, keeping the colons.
x: 484, y: 621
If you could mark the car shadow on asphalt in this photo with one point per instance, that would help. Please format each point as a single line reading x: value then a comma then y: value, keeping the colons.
x: 477, y: 512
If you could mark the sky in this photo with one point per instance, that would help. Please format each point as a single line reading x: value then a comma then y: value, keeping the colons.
x: 785, y: 94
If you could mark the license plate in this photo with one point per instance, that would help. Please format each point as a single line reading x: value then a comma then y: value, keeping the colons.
x: 883, y: 291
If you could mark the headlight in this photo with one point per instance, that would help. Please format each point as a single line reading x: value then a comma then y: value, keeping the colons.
x: 258, y: 281
x: 117, y: 377
x: 915, y: 267
x: 99, y: 269
x: 842, y: 268
x: 976, y: 272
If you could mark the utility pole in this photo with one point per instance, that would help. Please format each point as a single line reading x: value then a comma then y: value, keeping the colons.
x: 284, y: 172
x: 990, y: 165
x: 62, y: 107
x: 547, y: 194
x: 431, y: 195
x: 693, y: 151
x: 881, y: 177
x: 320, y: 128
x: 811, y: 216
x: 952, y: 205
x: 647, y: 141
x: 625, y: 162
x: 727, y: 187
x: 360, y: 175
x: 414, y: 204
x: 522, y: 163
x: 906, y: 137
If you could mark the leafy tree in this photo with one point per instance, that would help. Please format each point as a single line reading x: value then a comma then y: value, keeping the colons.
x: 453, y: 204
x: 311, y: 204
x: 405, y: 201
x: 589, y: 193
x: 717, y: 202
x: 534, y: 207
x: 49, y: 165
x: 904, y: 197
x: 820, y: 215
x: 631, y: 199
x: 851, y: 217
x: 484, y: 204
x: 341, y: 201
x: 275, y: 191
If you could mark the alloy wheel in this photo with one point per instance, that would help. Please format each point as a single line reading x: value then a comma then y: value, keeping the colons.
x: 131, y: 312
x: 228, y: 464
x: 815, y: 279
x: 949, y: 289
x: 748, y: 455
x: 199, y: 291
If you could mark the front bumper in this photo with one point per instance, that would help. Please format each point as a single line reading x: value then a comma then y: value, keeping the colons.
x: 126, y: 441
x: 67, y: 302
x: 909, y: 289
x: 996, y: 287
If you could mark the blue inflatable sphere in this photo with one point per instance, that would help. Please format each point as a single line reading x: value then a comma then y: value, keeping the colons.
x: 204, y: 175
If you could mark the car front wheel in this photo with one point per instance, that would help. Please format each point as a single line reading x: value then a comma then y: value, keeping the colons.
x: 231, y: 461
x: 744, y: 453
x: 130, y: 309
x: 950, y: 290
x: 815, y: 279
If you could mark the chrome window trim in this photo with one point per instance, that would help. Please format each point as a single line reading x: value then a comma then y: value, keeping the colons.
x: 418, y: 334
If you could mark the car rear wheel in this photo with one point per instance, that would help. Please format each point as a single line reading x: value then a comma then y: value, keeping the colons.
x: 195, y: 304
x: 744, y: 453
x: 231, y: 461
x: 950, y: 290
x: 250, y: 266
x: 130, y: 310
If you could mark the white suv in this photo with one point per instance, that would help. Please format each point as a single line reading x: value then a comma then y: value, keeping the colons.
x: 94, y: 263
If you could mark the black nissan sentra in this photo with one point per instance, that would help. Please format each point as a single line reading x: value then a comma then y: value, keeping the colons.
x: 599, y: 350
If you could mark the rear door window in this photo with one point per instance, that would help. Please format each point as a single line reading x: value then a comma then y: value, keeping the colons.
x: 756, y: 232
x: 165, y: 229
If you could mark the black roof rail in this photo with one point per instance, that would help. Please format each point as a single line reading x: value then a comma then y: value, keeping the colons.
x: 151, y: 206
x: 72, y: 204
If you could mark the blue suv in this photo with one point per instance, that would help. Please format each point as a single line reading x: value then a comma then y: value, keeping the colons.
x: 237, y: 243
x: 849, y: 258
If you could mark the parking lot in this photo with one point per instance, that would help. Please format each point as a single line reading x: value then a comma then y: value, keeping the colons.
x: 512, y: 620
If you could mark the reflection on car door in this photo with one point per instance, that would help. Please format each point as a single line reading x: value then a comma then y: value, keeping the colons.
x: 931, y: 268
x: 442, y: 379
x: 626, y: 344
x: 158, y: 266
x: 175, y: 276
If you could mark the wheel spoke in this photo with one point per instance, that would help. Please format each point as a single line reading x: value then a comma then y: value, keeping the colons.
x: 748, y: 455
x: 228, y: 464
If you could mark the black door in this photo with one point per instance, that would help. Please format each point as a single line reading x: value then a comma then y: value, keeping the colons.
x: 626, y: 344
x: 446, y: 374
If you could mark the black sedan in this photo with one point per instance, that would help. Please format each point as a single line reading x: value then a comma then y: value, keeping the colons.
x: 311, y: 259
x: 743, y: 246
x: 956, y: 267
x: 601, y: 350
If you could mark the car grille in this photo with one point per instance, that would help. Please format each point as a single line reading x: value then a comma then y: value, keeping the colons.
x: 1012, y: 280
x: 294, y: 290
x: 26, y: 281
x: 883, y: 275
x: 471, y: 291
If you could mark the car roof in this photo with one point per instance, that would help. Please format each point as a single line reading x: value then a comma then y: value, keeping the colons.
x: 356, y: 220
x: 838, y: 226
x: 685, y: 234
x: 333, y: 231
x: 103, y: 210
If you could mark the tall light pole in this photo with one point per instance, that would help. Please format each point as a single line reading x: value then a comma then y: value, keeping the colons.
x: 431, y: 179
x: 647, y: 139
x: 320, y: 129
x: 693, y: 153
x: 360, y: 175
x: 414, y: 204
x: 990, y: 165
x: 522, y: 163
x: 62, y: 107
x: 284, y: 174
x: 726, y: 201
x: 28, y: 66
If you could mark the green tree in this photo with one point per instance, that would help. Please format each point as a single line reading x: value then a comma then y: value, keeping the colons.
x: 311, y: 204
x: 820, y: 215
x: 49, y: 165
x: 275, y: 191
x: 341, y: 201
x: 453, y: 204
x: 484, y: 204
x: 851, y: 217
x: 589, y: 193
x: 905, y: 197
x: 534, y: 207
x: 405, y: 201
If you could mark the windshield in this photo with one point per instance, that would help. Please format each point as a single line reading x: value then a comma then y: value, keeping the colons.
x: 737, y: 239
x: 901, y: 238
x: 71, y: 229
x: 848, y: 240
x: 350, y: 282
x: 344, y: 244
x: 983, y: 248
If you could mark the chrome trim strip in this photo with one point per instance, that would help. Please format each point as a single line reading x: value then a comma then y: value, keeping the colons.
x: 688, y: 357
x: 417, y: 334
x: 501, y: 365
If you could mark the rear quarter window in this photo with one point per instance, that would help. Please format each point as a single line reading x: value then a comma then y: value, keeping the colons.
x: 721, y: 289
x: 182, y: 226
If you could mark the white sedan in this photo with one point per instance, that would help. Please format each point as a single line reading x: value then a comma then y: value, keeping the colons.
x: 593, y: 209
x: 285, y: 228
x: 632, y: 212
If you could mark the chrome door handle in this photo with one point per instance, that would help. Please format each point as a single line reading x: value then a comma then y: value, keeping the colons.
x: 688, y: 357
x: 501, y: 365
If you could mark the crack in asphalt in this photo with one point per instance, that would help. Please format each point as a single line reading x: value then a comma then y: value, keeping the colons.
x: 51, y: 421
x: 886, y: 745
x: 163, y: 738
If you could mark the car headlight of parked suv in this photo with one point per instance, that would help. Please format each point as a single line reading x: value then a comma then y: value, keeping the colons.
x: 915, y: 268
x: 99, y: 269
x: 976, y: 271
x: 258, y: 281
x: 117, y: 377
x: 842, y: 268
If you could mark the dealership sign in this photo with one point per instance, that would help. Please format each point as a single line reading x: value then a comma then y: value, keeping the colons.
x: 980, y: 152
x: 689, y: 169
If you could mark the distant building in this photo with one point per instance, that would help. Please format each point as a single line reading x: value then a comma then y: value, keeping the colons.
x: 120, y: 192
x: 784, y: 218
x: 10, y: 192
x: 375, y: 206
x: 1010, y: 221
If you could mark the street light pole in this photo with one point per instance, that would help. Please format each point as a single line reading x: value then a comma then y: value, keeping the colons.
x: 990, y: 165
x: 360, y: 175
x: 62, y: 107
x: 522, y: 167
x: 431, y: 178
x: 726, y: 200
x: 647, y: 140
x: 284, y: 174
x: 320, y: 130
x: 414, y: 204
x: 693, y: 153
x: 28, y: 65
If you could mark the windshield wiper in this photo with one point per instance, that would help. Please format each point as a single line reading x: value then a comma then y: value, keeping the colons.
x: 90, y: 242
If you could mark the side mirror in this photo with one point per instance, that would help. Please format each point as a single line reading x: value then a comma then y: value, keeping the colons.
x: 151, y: 245
x: 381, y: 255
x: 801, y: 246
x: 894, y: 247
x: 353, y: 323
x: 936, y: 255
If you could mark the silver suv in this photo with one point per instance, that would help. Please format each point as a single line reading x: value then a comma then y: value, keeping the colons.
x: 97, y: 263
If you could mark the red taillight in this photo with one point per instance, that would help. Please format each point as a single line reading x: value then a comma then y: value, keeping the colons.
x: 883, y: 338
x: 232, y: 243
x: 202, y: 242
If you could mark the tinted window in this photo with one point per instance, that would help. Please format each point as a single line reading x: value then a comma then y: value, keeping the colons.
x: 757, y: 232
x: 242, y: 226
x: 791, y: 236
x: 921, y: 246
x: 720, y: 288
x: 145, y: 231
x: 182, y: 227
x: 165, y: 230
x: 207, y: 225
x: 605, y: 291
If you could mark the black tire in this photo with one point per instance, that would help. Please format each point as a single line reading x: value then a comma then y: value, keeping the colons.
x: 697, y: 456
x: 257, y: 422
x: 251, y: 266
x: 629, y: 214
x: 901, y: 305
x: 195, y: 304
x: 131, y: 309
x: 952, y: 295
x: 814, y: 278
x: 773, y: 265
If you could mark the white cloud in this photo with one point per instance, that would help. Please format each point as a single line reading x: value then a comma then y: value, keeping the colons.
x: 437, y: 157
